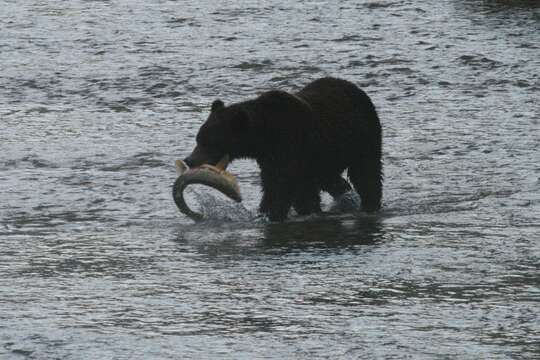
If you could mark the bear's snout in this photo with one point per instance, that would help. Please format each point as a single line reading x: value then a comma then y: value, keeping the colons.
x: 200, y: 156
x: 189, y: 162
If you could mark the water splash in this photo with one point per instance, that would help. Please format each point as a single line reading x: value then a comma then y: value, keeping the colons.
x: 348, y: 202
x: 217, y: 207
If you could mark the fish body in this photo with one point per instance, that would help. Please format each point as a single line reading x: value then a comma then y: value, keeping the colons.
x: 213, y: 176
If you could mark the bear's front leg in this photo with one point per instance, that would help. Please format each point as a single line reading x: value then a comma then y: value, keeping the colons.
x: 263, y: 206
x: 308, y: 199
x: 279, y: 192
x: 276, y: 205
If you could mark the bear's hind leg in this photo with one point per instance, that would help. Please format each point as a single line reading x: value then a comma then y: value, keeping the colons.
x: 366, y: 177
x: 336, y: 186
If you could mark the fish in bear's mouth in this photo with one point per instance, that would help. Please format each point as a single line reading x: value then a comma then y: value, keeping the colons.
x: 214, y: 176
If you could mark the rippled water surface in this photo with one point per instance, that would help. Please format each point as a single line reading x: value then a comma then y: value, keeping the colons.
x: 98, y: 98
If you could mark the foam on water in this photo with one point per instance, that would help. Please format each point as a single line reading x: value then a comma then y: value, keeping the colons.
x: 215, y: 207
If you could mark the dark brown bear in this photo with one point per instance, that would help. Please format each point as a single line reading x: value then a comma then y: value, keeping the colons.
x: 302, y: 142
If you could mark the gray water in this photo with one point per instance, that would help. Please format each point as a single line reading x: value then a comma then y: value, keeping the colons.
x: 98, y: 98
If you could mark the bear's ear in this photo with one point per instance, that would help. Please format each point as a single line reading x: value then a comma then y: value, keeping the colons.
x: 218, y: 104
x: 240, y: 121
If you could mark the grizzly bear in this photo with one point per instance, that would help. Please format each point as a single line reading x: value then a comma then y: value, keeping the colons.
x: 302, y: 142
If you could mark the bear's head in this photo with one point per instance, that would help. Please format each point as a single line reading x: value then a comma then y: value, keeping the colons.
x: 226, y: 132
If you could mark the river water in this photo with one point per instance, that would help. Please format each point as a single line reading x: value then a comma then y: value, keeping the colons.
x: 98, y: 98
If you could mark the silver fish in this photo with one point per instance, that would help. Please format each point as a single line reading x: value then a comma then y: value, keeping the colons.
x: 213, y: 176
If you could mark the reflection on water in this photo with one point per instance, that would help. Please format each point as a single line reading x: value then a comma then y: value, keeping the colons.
x: 97, y: 100
x: 328, y: 232
x: 501, y: 5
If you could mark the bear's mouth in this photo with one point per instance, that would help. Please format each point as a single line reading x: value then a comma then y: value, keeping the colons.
x: 223, y: 162
x: 202, y: 155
